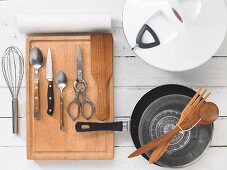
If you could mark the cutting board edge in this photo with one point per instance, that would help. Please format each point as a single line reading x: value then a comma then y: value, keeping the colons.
x: 74, y: 156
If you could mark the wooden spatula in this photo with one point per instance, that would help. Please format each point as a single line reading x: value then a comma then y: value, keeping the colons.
x: 102, y: 70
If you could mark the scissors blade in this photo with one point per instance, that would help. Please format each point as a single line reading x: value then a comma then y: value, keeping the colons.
x: 79, y: 64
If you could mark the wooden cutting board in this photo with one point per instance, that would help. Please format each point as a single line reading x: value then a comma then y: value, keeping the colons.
x: 44, y: 138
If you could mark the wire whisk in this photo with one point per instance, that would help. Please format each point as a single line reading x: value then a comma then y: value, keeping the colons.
x: 13, y: 72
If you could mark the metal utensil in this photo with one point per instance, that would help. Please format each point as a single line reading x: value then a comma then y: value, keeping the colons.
x: 49, y: 77
x: 80, y: 91
x: 61, y: 82
x: 13, y: 71
x: 36, y: 60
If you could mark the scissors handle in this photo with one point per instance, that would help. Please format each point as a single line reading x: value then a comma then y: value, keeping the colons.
x: 80, y: 103
x: 74, y: 101
x: 84, y: 101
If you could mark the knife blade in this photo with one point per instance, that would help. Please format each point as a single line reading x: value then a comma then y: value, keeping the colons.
x: 49, y: 77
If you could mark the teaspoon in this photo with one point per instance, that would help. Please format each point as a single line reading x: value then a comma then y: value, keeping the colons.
x: 61, y: 82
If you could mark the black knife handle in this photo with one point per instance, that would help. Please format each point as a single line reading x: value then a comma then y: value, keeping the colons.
x: 95, y: 126
x: 50, y: 98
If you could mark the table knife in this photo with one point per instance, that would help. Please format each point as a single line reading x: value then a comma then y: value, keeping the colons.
x: 49, y: 77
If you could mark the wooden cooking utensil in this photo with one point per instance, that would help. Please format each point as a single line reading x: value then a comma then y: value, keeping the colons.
x: 187, y: 109
x: 101, y: 70
x: 184, y: 115
x: 207, y: 114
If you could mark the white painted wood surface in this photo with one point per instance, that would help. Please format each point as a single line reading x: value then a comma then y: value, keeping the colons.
x: 133, y: 78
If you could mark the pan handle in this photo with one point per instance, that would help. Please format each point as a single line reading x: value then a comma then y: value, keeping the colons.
x: 95, y: 126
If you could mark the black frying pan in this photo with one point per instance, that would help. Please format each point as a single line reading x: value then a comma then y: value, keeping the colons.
x: 176, y: 159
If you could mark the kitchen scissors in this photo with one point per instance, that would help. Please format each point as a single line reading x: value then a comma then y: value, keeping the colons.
x: 80, y: 91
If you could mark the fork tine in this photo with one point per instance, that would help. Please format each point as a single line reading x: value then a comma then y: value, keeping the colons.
x: 204, y: 99
x: 199, y: 98
x: 195, y: 96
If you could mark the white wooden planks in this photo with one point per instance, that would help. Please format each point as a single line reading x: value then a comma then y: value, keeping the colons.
x: 213, y: 159
x: 133, y: 72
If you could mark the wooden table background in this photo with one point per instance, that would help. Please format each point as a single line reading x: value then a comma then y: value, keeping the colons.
x: 132, y: 79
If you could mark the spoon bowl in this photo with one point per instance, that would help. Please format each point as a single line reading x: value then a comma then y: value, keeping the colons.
x: 208, y: 113
x: 36, y: 58
x: 61, y: 80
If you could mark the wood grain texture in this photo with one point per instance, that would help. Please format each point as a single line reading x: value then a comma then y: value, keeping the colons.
x: 44, y: 138
x: 102, y: 70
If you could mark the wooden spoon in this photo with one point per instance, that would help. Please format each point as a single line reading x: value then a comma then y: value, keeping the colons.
x: 208, y: 113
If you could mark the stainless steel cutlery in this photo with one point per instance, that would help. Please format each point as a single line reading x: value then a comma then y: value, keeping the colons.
x: 80, y: 91
x: 80, y: 87
x: 61, y: 82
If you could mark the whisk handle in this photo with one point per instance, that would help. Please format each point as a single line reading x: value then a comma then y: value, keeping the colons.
x: 36, y: 101
x: 15, y: 115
